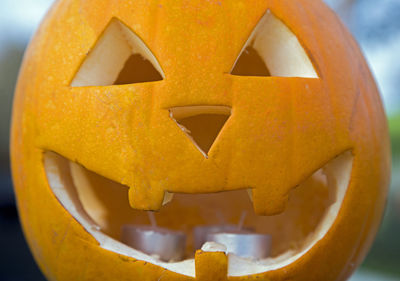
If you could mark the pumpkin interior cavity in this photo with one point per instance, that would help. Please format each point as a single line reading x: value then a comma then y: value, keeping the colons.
x: 102, y: 207
x: 273, y: 50
x: 202, y: 124
x: 250, y: 63
x: 118, y: 57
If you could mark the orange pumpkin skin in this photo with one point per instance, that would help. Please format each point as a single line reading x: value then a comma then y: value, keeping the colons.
x: 293, y: 120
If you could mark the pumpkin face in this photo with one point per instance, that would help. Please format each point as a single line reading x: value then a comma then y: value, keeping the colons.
x: 199, y: 110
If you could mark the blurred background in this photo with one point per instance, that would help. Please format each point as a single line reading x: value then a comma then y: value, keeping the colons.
x: 375, y: 25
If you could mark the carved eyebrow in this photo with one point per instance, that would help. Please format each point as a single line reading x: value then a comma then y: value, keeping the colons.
x: 273, y: 50
x: 118, y: 57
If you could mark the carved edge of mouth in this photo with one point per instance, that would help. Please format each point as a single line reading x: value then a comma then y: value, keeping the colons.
x: 338, y: 174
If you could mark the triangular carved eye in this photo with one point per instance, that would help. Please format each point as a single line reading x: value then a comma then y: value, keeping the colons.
x: 273, y: 50
x: 119, y: 57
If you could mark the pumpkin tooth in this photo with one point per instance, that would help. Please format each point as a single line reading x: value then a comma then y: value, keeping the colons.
x: 147, y: 198
x: 268, y: 204
x: 168, y: 196
x: 211, y: 265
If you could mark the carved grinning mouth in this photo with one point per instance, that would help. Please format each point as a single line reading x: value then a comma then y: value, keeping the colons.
x: 101, y: 207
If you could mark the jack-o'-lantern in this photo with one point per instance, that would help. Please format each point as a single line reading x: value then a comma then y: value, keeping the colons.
x: 198, y: 110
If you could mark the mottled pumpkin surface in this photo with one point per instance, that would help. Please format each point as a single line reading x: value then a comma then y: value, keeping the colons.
x: 280, y: 131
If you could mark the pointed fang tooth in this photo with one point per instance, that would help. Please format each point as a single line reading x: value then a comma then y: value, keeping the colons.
x: 167, y: 198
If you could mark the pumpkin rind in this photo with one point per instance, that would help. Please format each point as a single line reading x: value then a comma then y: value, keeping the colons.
x: 283, y: 128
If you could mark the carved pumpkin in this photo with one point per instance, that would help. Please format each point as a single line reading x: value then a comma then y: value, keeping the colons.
x: 122, y: 104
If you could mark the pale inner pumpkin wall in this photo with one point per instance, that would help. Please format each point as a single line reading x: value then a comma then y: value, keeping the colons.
x: 118, y: 57
x: 282, y: 54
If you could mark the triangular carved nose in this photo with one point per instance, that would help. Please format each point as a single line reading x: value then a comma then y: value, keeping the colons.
x: 202, y: 124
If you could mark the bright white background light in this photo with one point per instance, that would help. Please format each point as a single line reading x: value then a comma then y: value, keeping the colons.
x: 20, y: 18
